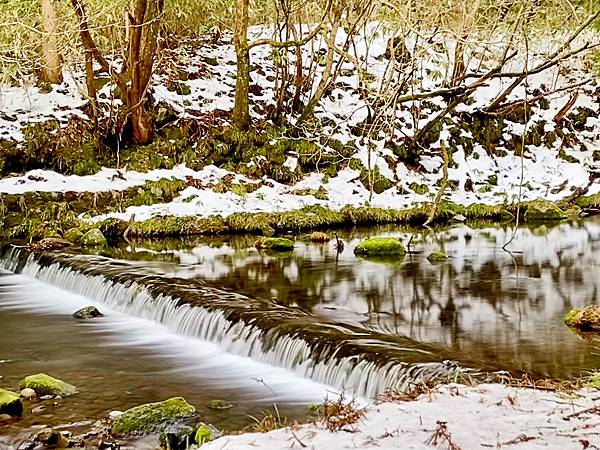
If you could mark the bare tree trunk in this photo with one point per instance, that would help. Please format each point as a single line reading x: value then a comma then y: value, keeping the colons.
x: 52, y: 68
x: 241, y: 108
x: 135, y: 79
x: 145, y: 26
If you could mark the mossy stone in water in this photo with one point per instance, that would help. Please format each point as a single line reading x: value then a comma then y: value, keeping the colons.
x: 10, y: 403
x: 277, y: 244
x: 437, y: 257
x: 586, y: 319
x: 219, y: 404
x: 88, y: 312
x: 380, y: 246
x: 44, y: 384
x: 543, y: 210
x: 148, y: 417
x: 93, y: 238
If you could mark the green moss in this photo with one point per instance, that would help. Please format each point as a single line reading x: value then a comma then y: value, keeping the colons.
x: 420, y: 189
x: 571, y: 317
x: 380, y: 246
x: 437, y: 257
x: 276, y: 244
x: 10, y: 403
x: 93, y: 238
x: 44, y: 384
x: 539, y: 210
x: 152, y: 416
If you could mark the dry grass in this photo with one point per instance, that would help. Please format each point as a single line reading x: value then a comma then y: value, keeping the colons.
x: 341, y: 414
x: 270, y: 420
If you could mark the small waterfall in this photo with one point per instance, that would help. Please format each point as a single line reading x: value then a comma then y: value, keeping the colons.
x: 342, y: 356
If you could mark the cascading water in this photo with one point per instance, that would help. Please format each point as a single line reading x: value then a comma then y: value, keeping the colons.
x: 345, y: 357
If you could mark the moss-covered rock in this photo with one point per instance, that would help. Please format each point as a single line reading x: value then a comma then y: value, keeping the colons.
x: 88, y: 312
x: 273, y: 243
x: 380, y: 246
x: 152, y: 416
x: 93, y: 238
x: 73, y: 235
x: 541, y: 209
x: 219, y: 404
x: 44, y: 384
x: 586, y: 319
x: 437, y: 257
x: 10, y: 403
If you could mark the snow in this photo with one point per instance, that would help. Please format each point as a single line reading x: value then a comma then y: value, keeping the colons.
x: 484, y: 416
x: 545, y: 173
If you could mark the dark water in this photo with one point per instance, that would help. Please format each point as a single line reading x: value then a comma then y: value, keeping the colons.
x: 497, y: 307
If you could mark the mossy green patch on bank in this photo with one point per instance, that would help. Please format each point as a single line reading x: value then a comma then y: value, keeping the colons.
x: 44, y: 384
x: 151, y: 416
x: 540, y: 210
x: 380, y: 246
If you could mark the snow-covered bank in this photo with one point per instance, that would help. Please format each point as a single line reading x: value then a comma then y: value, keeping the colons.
x: 560, y: 157
x: 478, y: 417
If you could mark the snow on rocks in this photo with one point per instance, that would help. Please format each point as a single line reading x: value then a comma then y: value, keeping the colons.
x: 484, y: 416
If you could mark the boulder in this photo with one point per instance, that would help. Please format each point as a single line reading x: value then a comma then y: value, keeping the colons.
x: 44, y: 384
x: 543, y: 210
x: 437, y: 257
x: 10, y: 403
x: 93, y: 238
x: 73, y: 235
x: 586, y: 319
x: 379, y: 246
x: 273, y: 243
x: 88, y: 312
x: 152, y: 416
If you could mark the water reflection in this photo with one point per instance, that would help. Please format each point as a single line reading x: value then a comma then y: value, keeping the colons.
x: 494, y: 305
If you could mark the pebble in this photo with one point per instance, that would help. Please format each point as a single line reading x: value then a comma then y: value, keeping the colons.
x: 46, y: 397
x: 38, y: 409
x: 28, y: 393
x: 5, y: 418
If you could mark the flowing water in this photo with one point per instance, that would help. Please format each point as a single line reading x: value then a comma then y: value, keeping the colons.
x: 214, y: 318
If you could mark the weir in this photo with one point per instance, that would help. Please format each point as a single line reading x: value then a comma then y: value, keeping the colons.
x: 363, y: 361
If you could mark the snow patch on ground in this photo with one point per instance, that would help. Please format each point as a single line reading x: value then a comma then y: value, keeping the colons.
x: 484, y: 416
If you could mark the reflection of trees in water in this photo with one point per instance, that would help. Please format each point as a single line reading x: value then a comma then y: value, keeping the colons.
x: 492, y: 305
x: 484, y: 301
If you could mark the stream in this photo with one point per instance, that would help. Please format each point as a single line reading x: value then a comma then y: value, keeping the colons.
x: 213, y: 318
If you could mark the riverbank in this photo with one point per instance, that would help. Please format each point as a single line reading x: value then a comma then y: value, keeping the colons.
x: 451, y: 416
